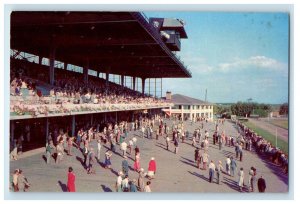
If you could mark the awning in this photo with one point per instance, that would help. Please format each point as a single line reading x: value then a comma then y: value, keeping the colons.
x: 167, y: 112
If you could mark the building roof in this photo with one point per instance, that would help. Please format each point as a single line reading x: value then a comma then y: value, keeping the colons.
x: 185, y: 100
x: 122, y: 43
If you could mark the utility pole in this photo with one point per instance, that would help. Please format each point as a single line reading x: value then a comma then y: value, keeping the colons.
x: 276, y: 137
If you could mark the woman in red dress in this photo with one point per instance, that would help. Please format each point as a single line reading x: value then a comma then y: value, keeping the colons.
x: 71, y: 180
x: 137, y: 165
x: 151, y: 168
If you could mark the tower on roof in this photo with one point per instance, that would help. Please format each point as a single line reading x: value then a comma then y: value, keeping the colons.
x: 171, y: 31
x: 169, y: 95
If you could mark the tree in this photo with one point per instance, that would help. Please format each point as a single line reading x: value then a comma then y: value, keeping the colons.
x: 221, y: 109
x: 248, y: 108
x: 284, y: 109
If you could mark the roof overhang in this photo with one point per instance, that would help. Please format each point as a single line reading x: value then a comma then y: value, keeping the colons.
x: 120, y: 43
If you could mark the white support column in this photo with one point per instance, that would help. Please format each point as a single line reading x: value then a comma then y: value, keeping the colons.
x: 181, y: 112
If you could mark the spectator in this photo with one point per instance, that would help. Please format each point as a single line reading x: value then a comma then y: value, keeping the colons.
x: 261, y: 184
x: 71, y: 180
x: 147, y: 187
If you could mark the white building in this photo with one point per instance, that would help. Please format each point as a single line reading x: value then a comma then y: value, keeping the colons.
x: 188, y: 108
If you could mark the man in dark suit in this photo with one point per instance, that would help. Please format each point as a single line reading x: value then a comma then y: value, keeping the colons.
x: 261, y: 184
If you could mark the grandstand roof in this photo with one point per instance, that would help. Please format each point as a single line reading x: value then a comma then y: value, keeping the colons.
x: 113, y: 42
x: 179, y: 99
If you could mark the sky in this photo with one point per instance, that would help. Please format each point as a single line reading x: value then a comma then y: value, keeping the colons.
x: 235, y: 56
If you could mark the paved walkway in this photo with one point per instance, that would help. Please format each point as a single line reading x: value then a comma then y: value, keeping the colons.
x: 175, y: 172
x: 281, y: 132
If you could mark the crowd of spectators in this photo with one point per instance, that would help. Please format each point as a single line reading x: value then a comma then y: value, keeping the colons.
x: 263, y: 147
x: 70, y: 93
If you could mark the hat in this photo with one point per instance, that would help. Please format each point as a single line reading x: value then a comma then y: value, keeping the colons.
x: 152, y: 158
x: 141, y: 169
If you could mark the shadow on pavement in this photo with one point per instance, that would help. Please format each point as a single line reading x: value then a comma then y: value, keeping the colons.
x: 163, y: 147
x: 117, y: 153
x: 101, y: 164
x: 114, y: 172
x: 188, y: 159
x: 161, y: 144
x: 230, y: 183
x: 63, y: 186
x: 106, y: 189
x: 44, y: 158
x: 199, y: 176
x: 188, y: 163
x: 214, y: 147
x: 81, y: 161
x: 132, y: 169
x: 228, y: 153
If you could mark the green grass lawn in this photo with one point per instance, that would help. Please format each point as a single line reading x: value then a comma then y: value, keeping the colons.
x: 281, y: 123
x: 268, y: 136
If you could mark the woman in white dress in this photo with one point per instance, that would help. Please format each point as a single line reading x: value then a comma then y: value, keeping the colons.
x: 241, y: 179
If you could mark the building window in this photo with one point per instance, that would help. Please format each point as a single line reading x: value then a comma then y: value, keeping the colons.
x: 186, y: 107
x: 175, y: 107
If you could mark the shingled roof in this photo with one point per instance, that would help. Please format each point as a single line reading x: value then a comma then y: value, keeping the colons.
x: 185, y: 100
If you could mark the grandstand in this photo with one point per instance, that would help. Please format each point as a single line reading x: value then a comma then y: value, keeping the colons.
x: 69, y: 68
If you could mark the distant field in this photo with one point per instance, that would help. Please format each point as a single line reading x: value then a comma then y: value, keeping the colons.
x: 280, y: 123
x: 283, y: 145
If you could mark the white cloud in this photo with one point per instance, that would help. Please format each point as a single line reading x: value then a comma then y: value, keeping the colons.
x: 197, y: 65
x: 261, y: 62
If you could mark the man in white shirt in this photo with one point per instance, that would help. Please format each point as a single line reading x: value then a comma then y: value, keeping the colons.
x: 206, y: 134
x: 134, y: 141
x: 119, y: 182
x: 205, y: 145
x: 125, y: 184
x: 98, y: 149
x: 167, y: 142
x: 143, y: 131
x: 228, y: 162
x: 124, y: 147
x: 130, y: 145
